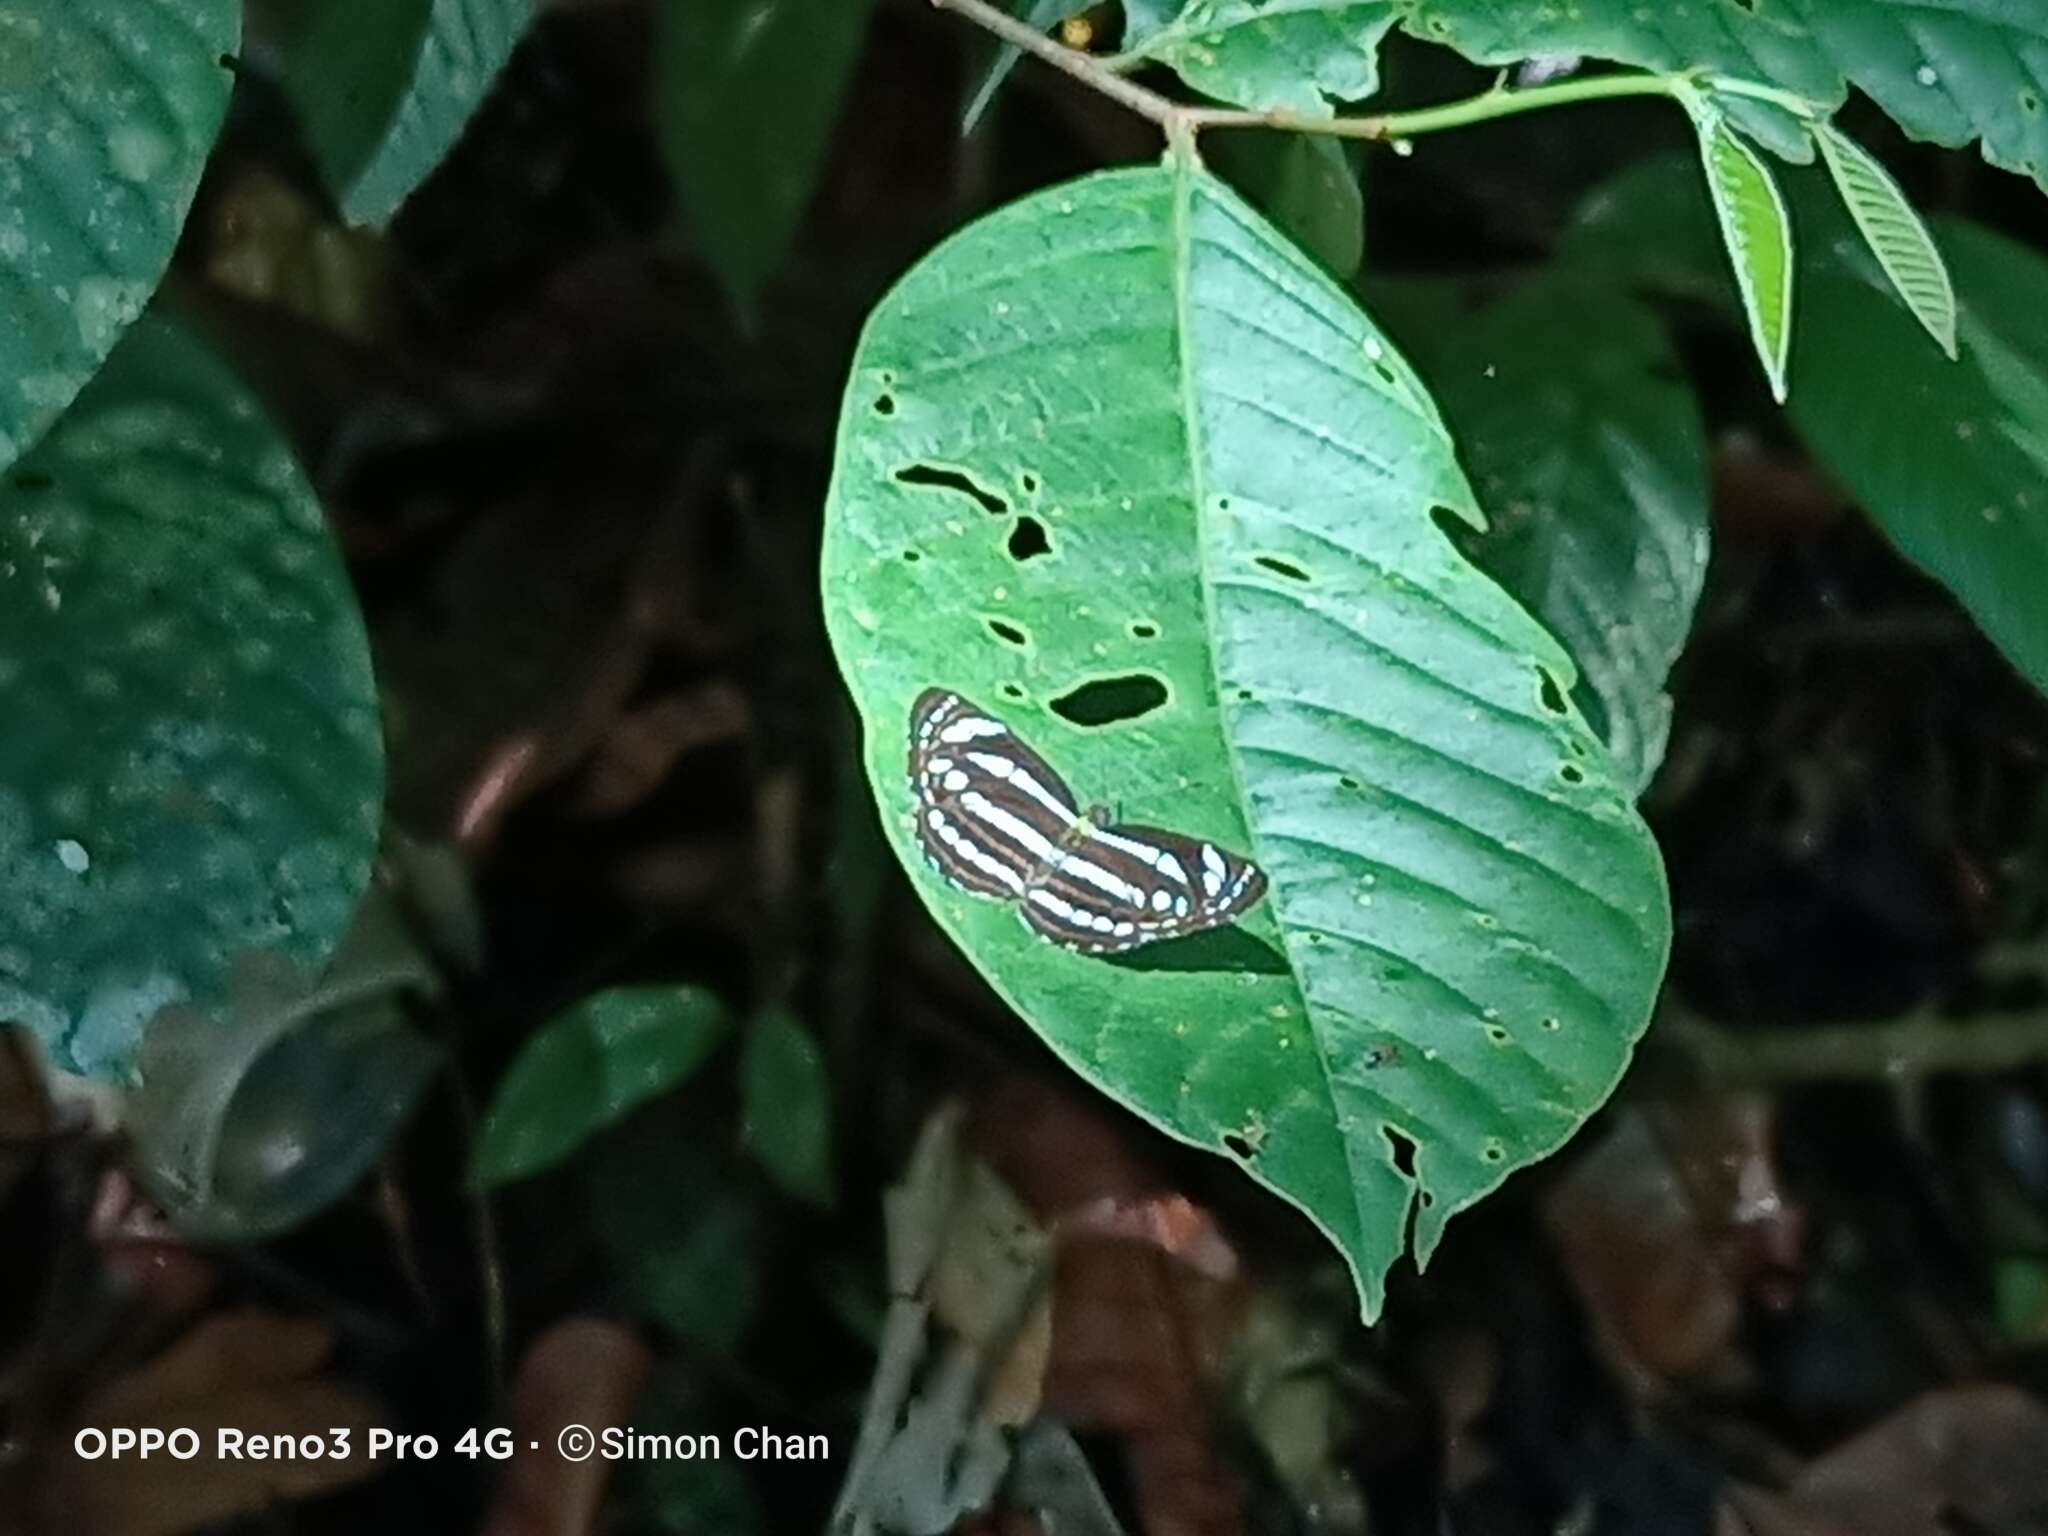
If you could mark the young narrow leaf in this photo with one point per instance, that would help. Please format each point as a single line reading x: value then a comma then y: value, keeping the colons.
x: 1126, y: 469
x: 192, y: 770
x: 107, y: 112
x: 589, y: 1066
x: 384, y: 88
x: 1894, y: 232
x: 787, y: 1101
x: 1757, y: 232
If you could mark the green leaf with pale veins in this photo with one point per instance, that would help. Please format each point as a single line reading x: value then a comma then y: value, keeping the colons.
x: 787, y: 1101
x: 1121, y: 454
x: 192, y: 771
x: 1757, y: 233
x: 1590, y: 457
x: 746, y: 95
x: 107, y: 111
x: 590, y: 1065
x: 1952, y: 73
x: 1304, y: 55
x: 1894, y: 232
x: 384, y: 88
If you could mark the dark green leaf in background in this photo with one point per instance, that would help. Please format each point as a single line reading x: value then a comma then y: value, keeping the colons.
x: 1950, y: 459
x: 107, y: 111
x: 192, y: 770
x: 1122, y: 436
x: 590, y: 1065
x: 787, y: 1100
x: 747, y: 92
x: 678, y: 1233
x: 383, y: 88
x: 1590, y: 457
x: 1304, y: 183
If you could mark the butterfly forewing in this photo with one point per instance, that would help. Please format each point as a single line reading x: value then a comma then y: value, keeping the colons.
x: 996, y: 820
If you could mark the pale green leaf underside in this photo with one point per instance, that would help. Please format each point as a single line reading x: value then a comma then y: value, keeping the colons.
x: 1300, y: 54
x: 1236, y: 479
x: 107, y: 111
x: 1894, y: 232
x: 384, y: 89
x: 1953, y: 72
x: 1757, y: 232
x: 192, y: 770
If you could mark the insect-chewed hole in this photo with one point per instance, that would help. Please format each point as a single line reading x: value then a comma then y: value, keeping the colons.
x: 1012, y: 691
x: 1497, y: 1034
x: 2029, y: 103
x: 1003, y: 630
x: 1106, y: 700
x: 1281, y: 567
x: 1385, y: 373
x: 941, y: 478
x: 1028, y: 540
x: 1347, y: 781
x: 1553, y: 1024
x: 911, y: 557
x: 1140, y: 630
x: 1494, y: 1152
x: 1571, y: 773
x: 885, y: 405
x: 1030, y: 483
x: 1403, y: 1148
x: 1550, y: 693
x: 1237, y: 1144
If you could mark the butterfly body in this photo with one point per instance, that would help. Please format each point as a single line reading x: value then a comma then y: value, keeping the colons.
x: 996, y: 820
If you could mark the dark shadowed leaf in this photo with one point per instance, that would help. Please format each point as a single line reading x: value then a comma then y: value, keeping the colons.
x: 193, y: 769
x: 1125, y: 468
x: 107, y: 112
x: 1305, y: 184
x: 788, y: 1104
x: 590, y: 1065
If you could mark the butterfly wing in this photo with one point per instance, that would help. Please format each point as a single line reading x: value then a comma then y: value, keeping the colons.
x: 991, y: 813
x: 1126, y: 886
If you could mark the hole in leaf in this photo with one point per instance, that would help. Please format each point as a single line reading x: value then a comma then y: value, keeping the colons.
x: 1281, y: 567
x: 1009, y: 632
x: 2029, y: 103
x: 885, y: 405
x: 1553, y: 1024
x: 1143, y: 631
x: 1427, y: 1199
x: 1386, y: 374
x: 1106, y: 700
x: 911, y: 557
x: 952, y: 480
x: 1551, y: 695
x: 1348, y: 782
x: 1030, y: 483
x: 1403, y: 1148
x: 1012, y: 691
x: 1496, y: 1034
x: 1450, y: 525
x: 32, y: 480
x: 1493, y: 1152
x: 1028, y: 540
x: 1380, y: 1055
x: 1571, y: 773
x: 1239, y: 1146
x: 1244, y: 695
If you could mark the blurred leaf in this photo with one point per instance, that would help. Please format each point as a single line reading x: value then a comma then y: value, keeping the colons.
x: 1951, y: 459
x: 788, y: 1105
x: 587, y: 1067
x: 1267, y: 53
x: 384, y: 88
x: 192, y: 768
x: 747, y: 92
x: 1949, y: 74
x: 1590, y: 456
x: 1209, y: 493
x: 1304, y: 183
x: 677, y: 1232
x: 1894, y: 232
x: 107, y: 112
x: 1043, y: 15
x: 253, y: 1116
x: 702, y: 1497
x: 1652, y: 227
x: 2021, y: 1288
x: 1757, y: 232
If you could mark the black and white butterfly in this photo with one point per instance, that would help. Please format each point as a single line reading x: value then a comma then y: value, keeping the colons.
x: 996, y: 820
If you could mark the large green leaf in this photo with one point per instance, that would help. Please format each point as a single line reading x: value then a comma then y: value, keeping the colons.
x: 192, y: 769
x: 1951, y: 459
x: 107, y: 111
x: 1953, y: 72
x: 1121, y: 437
x: 1589, y: 454
x: 590, y: 1065
x: 1301, y: 54
x: 747, y: 92
x: 384, y: 88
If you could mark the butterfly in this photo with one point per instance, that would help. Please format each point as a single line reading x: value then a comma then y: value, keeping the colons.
x: 995, y: 820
